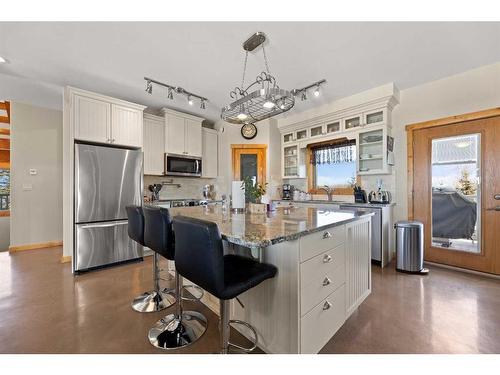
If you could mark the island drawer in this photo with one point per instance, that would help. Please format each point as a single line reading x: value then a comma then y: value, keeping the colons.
x: 320, y: 276
x: 321, y: 323
x: 319, y: 242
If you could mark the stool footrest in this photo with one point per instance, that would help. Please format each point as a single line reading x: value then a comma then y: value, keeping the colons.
x: 200, y: 291
x: 255, y: 338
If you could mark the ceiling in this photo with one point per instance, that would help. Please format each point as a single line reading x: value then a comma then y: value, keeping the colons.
x: 207, y: 58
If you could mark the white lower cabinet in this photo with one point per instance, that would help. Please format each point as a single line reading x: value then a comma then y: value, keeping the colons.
x: 321, y: 280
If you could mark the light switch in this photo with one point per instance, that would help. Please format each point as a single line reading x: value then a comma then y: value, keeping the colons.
x: 27, y: 187
x: 33, y: 171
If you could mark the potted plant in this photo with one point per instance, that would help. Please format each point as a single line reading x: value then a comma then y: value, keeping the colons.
x: 253, y: 195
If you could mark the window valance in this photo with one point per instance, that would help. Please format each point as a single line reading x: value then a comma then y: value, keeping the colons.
x: 334, y: 153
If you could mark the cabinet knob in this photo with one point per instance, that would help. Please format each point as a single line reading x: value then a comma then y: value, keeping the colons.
x: 327, y: 259
x: 327, y: 235
x: 327, y: 305
x: 327, y: 281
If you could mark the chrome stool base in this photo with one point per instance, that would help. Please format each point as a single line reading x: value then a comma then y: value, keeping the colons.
x: 173, y: 333
x: 153, y: 301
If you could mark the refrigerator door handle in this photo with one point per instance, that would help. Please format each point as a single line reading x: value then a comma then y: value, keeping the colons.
x: 103, y: 225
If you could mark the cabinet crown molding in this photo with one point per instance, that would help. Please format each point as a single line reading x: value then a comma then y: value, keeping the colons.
x: 168, y: 111
x: 73, y: 90
x: 388, y: 102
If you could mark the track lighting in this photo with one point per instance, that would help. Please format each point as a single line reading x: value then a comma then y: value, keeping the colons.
x: 316, y: 92
x: 178, y: 90
x: 149, y: 87
x: 304, y: 96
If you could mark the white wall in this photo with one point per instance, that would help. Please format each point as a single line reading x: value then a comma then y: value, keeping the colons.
x: 470, y: 91
x: 36, y: 142
x: 267, y: 133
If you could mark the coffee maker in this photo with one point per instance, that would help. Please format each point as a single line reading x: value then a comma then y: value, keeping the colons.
x: 287, y: 192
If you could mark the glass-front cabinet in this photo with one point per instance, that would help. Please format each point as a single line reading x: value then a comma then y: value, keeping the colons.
x: 293, y: 162
x: 374, y: 151
x: 352, y: 122
x: 333, y: 127
x: 376, y: 117
x: 316, y: 131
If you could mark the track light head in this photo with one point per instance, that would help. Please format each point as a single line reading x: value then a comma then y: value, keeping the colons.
x: 202, y: 105
x: 149, y: 87
x: 170, y: 94
x: 316, y: 92
x: 304, y: 95
x: 190, y: 101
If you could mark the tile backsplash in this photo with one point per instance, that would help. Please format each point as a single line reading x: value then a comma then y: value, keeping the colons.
x: 190, y: 187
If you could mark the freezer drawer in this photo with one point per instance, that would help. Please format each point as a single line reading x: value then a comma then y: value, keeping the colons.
x: 99, y: 244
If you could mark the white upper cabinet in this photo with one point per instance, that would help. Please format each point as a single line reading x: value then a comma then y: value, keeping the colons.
x: 193, y: 138
x: 92, y: 119
x: 154, y: 144
x: 183, y: 133
x: 102, y: 119
x: 210, y: 150
x: 175, y: 134
x: 126, y: 126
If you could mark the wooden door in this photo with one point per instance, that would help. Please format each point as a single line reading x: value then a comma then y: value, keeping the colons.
x: 249, y: 161
x: 92, y: 119
x: 193, y: 138
x: 126, y: 126
x: 433, y: 200
x: 175, y: 135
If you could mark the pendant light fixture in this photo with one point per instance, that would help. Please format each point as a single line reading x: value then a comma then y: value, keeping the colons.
x: 263, y: 98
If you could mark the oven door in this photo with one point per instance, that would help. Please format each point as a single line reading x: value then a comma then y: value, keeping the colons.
x: 180, y: 165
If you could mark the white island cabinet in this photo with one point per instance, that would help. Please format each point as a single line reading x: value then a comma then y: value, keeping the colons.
x: 322, y: 278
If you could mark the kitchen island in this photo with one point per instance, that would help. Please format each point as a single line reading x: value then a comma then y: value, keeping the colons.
x: 324, y: 274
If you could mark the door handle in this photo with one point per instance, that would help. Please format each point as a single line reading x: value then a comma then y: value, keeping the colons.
x: 327, y: 235
x: 327, y: 305
x: 327, y: 259
x: 497, y: 197
x: 497, y: 208
x: 326, y: 281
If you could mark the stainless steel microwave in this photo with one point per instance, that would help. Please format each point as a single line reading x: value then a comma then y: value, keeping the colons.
x: 182, y: 165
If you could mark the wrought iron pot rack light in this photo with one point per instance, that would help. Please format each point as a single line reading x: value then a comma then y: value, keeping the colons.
x: 265, y: 101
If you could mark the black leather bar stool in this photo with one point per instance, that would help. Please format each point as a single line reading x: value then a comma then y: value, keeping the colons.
x: 156, y: 299
x: 199, y: 256
x: 182, y: 328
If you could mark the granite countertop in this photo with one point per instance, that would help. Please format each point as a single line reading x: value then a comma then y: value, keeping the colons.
x: 324, y: 201
x: 262, y: 230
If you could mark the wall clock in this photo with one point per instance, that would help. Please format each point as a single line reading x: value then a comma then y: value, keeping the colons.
x: 249, y: 131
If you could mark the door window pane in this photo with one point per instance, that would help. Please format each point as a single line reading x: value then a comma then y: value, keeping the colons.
x: 456, y: 198
x: 4, y: 189
x: 248, y: 166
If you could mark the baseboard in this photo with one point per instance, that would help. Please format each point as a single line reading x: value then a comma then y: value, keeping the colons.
x: 66, y: 259
x: 465, y: 270
x: 35, y: 246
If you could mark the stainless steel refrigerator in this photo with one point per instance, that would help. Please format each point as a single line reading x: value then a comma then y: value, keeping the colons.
x: 107, y: 179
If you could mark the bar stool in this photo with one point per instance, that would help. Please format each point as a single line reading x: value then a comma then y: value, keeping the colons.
x: 184, y: 327
x: 156, y: 299
x: 199, y: 256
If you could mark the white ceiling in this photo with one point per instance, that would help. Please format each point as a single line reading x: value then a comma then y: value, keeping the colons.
x: 207, y: 58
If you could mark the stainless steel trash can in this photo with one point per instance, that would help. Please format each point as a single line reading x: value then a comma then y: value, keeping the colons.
x: 410, y: 247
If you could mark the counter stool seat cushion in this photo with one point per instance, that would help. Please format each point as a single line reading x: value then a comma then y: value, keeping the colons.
x: 135, y: 223
x: 242, y: 273
x: 158, y: 234
x: 199, y: 257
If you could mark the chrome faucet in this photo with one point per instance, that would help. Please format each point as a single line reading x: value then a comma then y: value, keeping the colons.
x: 328, y: 190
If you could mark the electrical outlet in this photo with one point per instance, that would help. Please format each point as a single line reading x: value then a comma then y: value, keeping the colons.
x: 33, y: 172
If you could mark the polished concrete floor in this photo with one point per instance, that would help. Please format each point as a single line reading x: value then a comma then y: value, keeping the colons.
x: 44, y: 309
